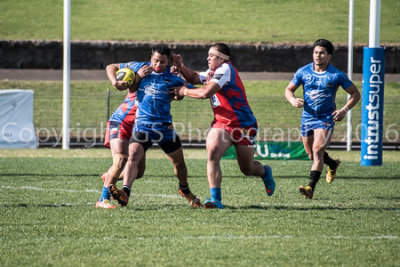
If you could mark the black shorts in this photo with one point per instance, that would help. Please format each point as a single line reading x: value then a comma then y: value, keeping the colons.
x: 167, y: 146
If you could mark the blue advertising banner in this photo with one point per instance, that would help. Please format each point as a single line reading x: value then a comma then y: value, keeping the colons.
x: 372, y: 106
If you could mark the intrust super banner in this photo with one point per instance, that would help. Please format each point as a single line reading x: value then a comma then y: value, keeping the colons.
x: 372, y: 106
x: 273, y: 150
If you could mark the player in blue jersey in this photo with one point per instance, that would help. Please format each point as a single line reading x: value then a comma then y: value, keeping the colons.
x: 234, y: 122
x: 320, y: 81
x: 153, y: 123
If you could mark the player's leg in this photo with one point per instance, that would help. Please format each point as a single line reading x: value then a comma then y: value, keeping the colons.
x: 308, y: 144
x: 248, y: 166
x: 174, y: 152
x: 137, y: 148
x: 322, y: 138
x: 119, y: 154
x: 217, y: 143
x: 333, y: 165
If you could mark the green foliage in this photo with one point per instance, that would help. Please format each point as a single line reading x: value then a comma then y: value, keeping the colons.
x: 198, y: 20
x: 48, y: 216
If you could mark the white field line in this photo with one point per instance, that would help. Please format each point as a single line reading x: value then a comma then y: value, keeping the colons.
x: 33, y: 188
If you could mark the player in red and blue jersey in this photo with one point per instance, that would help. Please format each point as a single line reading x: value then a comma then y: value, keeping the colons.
x: 320, y: 81
x: 234, y: 122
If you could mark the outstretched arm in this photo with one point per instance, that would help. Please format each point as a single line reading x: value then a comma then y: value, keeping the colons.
x: 204, y: 92
x: 187, y: 73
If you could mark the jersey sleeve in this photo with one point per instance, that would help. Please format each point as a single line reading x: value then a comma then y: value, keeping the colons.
x: 344, y: 81
x: 203, y: 76
x: 222, y: 75
x: 133, y: 65
x: 298, y: 77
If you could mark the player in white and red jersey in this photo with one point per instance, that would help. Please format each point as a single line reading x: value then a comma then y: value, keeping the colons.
x: 234, y: 122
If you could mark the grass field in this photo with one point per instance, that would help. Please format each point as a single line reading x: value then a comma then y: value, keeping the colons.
x: 197, y: 20
x: 48, y: 216
x: 275, y: 116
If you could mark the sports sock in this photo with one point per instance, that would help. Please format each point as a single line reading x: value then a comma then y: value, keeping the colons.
x: 266, y: 172
x: 314, y: 177
x: 215, y: 193
x: 105, y: 194
x: 185, y: 189
x: 127, y: 190
x: 329, y: 161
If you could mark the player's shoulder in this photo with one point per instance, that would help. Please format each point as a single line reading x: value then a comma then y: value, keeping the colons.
x: 134, y: 65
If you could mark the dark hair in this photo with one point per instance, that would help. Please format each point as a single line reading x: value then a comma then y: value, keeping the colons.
x: 162, y: 50
x: 223, y: 48
x: 326, y: 44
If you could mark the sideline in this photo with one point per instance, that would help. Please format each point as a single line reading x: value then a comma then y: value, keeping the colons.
x: 100, y: 75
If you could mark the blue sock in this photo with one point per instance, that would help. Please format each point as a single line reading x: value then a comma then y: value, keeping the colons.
x: 215, y: 193
x: 266, y: 172
x: 105, y: 194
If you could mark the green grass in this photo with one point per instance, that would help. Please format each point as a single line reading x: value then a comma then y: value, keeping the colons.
x: 48, y: 216
x: 208, y: 21
x: 192, y: 117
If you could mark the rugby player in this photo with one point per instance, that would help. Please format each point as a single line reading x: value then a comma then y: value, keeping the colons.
x: 320, y: 81
x: 234, y: 122
x: 153, y: 123
x: 118, y: 134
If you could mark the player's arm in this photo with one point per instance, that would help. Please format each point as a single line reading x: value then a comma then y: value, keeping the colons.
x: 355, y: 96
x: 204, y: 92
x: 291, y: 98
x: 190, y: 75
x: 110, y: 71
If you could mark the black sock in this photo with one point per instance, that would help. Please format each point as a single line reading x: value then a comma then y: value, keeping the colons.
x: 314, y: 177
x: 329, y: 161
x: 185, y: 189
x: 127, y: 190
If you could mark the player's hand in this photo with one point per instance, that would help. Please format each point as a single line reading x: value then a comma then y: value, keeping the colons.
x: 297, y: 102
x: 175, y: 91
x: 144, y: 71
x: 120, y: 85
x: 339, y: 114
x: 177, y: 62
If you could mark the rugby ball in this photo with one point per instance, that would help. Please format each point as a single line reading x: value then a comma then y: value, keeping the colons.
x: 125, y: 75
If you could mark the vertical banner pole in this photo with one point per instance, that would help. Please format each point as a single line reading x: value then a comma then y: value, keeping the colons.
x: 350, y: 71
x: 372, y: 93
x: 66, y: 75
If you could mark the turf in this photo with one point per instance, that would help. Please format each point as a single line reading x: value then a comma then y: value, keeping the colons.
x: 48, y: 216
x: 193, y: 21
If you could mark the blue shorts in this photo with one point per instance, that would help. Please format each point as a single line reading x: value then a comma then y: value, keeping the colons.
x: 309, y: 124
x: 161, y: 133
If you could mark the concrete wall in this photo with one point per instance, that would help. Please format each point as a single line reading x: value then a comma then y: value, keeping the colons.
x: 247, y: 57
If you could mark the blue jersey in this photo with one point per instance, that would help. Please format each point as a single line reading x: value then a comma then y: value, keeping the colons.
x: 153, y: 97
x: 319, y: 89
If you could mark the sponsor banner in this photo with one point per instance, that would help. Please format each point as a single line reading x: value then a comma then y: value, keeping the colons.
x: 273, y: 150
x: 372, y: 106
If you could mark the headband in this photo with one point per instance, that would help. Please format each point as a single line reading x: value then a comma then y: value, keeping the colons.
x: 219, y: 54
